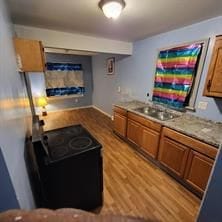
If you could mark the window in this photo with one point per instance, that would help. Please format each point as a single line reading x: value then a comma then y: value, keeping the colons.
x: 178, y: 72
x: 64, y: 79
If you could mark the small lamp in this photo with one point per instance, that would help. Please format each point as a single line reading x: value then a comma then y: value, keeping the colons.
x: 42, y: 102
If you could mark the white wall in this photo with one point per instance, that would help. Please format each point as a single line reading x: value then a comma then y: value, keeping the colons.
x: 56, y: 39
x: 14, y: 112
x: 136, y: 72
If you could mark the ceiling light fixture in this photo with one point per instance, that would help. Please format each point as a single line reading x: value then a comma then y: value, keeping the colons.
x: 112, y: 8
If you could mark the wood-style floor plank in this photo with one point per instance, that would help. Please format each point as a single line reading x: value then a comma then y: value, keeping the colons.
x: 132, y: 185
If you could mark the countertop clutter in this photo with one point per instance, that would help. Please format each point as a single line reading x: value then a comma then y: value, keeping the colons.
x: 202, y: 129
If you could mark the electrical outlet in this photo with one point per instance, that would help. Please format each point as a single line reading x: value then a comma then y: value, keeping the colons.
x: 202, y: 105
x: 119, y: 89
x: 76, y: 100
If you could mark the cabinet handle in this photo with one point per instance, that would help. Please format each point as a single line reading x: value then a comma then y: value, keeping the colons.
x: 209, y: 85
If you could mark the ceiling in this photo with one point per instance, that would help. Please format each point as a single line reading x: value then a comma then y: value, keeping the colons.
x: 140, y: 18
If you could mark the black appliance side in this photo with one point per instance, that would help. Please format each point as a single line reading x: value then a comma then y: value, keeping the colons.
x: 34, y: 175
x: 33, y: 159
x: 75, y: 182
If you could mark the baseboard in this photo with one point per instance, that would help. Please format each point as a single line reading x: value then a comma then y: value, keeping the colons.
x: 105, y: 113
x: 75, y: 108
x: 67, y: 109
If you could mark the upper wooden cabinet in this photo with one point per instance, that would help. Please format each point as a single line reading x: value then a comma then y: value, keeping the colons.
x: 30, y: 55
x: 213, y: 85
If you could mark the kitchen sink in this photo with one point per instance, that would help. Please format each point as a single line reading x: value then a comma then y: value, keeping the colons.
x: 156, y: 113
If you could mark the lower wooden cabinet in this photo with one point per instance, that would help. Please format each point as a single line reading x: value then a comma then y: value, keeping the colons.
x: 189, y: 159
x: 173, y: 155
x: 186, y: 158
x: 150, y: 141
x: 198, y: 170
x: 120, y: 123
x: 134, y: 130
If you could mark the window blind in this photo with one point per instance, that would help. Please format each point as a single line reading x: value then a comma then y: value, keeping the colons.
x: 64, y: 79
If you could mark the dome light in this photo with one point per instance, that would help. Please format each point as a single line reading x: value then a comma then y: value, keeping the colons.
x: 112, y: 8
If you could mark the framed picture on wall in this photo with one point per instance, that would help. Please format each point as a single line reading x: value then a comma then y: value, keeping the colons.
x: 110, y: 66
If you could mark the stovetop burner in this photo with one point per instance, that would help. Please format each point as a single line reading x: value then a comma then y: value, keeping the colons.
x: 68, y: 141
x: 80, y: 143
x: 59, y: 152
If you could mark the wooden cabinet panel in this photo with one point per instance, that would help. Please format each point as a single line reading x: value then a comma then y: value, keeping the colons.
x: 119, y: 110
x: 191, y: 142
x: 120, y: 123
x: 30, y: 54
x: 150, y: 141
x: 213, y: 85
x: 134, y: 132
x: 198, y: 170
x: 145, y: 122
x: 173, y: 155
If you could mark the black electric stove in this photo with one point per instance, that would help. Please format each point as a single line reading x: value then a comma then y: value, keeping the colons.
x: 69, y: 141
x: 66, y: 168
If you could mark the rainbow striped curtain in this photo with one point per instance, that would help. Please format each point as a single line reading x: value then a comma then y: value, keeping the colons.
x: 175, y: 72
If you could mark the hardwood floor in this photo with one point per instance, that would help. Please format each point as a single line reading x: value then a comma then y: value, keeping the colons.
x: 132, y: 185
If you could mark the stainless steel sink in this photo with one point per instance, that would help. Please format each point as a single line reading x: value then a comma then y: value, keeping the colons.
x: 156, y: 113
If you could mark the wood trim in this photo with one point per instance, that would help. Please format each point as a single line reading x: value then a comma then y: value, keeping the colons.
x: 194, y: 144
x: 119, y: 110
x: 197, y: 79
x: 43, y: 58
x: 38, y: 112
x: 144, y: 121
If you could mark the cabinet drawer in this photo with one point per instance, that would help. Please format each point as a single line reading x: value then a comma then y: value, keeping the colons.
x: 119, y: 110
x: 148, y: 123
x: 198, y: 170
x: 194, y: 144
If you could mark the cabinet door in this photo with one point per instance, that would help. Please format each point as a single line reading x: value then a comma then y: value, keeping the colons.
x: 150, y: 141
x: 30, y: 55
x: 134, y: 132
x: 173, y: 155
x: 213, y: 86
x: 120, y: 124
x: 198, y: 170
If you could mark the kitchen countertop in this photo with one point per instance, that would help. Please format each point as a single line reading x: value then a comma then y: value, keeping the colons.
x: 202, y: 129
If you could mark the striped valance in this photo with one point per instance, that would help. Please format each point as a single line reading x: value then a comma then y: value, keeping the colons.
x: 64, y: 79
